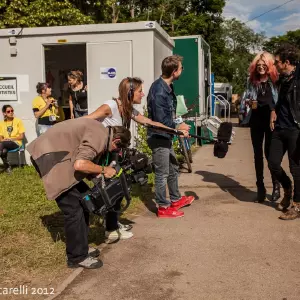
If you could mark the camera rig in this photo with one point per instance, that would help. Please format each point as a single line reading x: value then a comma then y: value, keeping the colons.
x: 132, y: 167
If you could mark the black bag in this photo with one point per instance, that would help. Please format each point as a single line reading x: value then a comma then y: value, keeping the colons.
x: 100, y: 200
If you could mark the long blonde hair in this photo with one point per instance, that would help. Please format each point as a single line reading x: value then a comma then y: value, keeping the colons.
x: 269, y: 60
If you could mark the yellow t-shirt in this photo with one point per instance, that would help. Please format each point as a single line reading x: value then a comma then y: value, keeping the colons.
x: 39, y: 103
x: 12, y: 129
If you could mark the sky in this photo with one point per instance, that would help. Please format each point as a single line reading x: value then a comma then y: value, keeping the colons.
x: 274, y: 23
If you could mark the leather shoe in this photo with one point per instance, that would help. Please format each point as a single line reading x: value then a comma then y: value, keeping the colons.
x: 276, y: 192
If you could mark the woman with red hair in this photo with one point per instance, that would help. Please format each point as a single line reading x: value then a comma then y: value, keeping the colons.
x: 259, y: 100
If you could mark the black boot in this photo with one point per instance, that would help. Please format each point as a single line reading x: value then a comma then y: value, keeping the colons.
x: 286, y: 201
x: 276, y: 191
x: 261, y: 193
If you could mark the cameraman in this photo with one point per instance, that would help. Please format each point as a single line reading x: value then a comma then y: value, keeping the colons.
x: 161, y: 108
x: 65, y: 155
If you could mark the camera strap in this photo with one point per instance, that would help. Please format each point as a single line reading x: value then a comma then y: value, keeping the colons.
x: 126, y: 192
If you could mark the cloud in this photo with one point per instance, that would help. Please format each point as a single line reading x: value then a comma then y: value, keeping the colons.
x: 290, y: 22
x: 273, y: 23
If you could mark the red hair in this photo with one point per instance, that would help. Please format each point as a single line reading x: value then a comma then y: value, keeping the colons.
x: 269, y: 60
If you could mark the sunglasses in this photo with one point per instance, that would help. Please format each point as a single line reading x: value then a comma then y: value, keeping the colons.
x: 261, y: 66
x: 9, y: 111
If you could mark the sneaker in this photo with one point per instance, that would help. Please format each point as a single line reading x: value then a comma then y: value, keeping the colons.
x: 88, y: 263
x: 118, y: 234
x: 169, y: 212
x: 292, y: 214
x: 183, y: 201
x: 286, y: 201
x: 93, y: 252
x: 125, y: 227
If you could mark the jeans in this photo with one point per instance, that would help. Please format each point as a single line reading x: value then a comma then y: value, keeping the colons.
x: 42, y: 128
x: 285, y: 140
x: 166, y: 172
x: 260, y: 131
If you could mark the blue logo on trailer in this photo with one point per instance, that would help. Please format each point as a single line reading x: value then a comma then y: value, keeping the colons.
x: 111, y: 72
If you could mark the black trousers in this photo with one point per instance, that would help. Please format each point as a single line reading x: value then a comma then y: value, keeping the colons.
x: 285, y: 140
x: 260, y: 133
x: 6, y: 146
x: 76, y: 222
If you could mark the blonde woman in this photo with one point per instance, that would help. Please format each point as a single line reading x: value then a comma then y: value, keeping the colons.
x: 261, y: 96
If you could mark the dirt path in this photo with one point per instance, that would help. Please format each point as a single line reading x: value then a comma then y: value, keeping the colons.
x: 225, y: 247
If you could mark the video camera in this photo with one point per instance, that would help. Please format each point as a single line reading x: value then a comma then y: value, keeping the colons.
x: 131, y: 168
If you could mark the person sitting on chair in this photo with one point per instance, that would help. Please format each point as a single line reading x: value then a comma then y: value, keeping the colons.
x: 11, y: 134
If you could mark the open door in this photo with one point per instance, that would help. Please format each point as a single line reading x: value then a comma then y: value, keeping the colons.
x: 107, y: 64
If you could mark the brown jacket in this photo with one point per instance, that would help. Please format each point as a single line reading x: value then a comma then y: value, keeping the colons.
x: 55, y: 152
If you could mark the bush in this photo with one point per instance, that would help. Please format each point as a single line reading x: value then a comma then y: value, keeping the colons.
x: 141, y: 140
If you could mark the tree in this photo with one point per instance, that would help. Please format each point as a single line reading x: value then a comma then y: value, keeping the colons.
x: 26, y: 13
x: 242, y: 42
x: 291, y: 37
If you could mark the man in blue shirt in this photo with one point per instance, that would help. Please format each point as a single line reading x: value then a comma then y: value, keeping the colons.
x: 162, y: 102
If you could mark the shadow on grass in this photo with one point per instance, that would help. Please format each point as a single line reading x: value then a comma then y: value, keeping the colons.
x: 55, y: 225
x: 146, y: 195
x: 233, y: 187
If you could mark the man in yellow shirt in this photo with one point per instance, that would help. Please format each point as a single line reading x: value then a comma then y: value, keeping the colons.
x: 11, y: 134
x: 45, y: 108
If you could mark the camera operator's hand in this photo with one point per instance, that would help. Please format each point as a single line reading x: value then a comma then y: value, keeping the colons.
x: 109, y: 172
x: 184, y: 126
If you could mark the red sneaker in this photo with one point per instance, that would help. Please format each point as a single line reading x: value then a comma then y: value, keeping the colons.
x: 184, y: 201
x: 169, y: 212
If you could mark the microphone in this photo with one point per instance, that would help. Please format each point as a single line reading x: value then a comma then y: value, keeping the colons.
x: 225, y: 132
x: 223, y: 136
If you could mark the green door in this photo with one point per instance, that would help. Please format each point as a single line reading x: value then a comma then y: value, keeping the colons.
x: 188, y: 83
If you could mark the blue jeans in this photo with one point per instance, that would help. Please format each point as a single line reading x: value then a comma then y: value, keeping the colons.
x: 166, y: 172
x: 42, y: 129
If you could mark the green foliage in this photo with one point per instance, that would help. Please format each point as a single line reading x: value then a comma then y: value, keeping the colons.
x: 241, y: 43
x: 291, y: 37
x: 141, y: 141
x: 26, y: 13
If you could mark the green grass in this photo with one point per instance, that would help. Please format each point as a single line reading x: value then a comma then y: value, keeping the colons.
x: 32, y: 244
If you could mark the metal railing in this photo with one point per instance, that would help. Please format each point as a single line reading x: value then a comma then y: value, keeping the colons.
x: 221, y: 100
